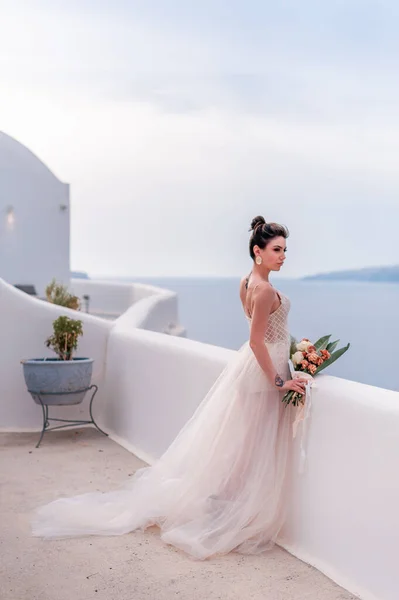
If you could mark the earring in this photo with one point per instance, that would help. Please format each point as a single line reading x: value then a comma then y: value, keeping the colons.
x: 258, y: 260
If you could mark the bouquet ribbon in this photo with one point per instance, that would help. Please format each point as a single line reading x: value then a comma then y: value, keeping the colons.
x: 302, y: 416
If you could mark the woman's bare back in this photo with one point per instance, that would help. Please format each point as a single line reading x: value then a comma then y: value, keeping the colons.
x: 248, y: 285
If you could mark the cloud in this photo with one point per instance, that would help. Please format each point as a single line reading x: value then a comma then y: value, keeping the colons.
x: 176, y: 124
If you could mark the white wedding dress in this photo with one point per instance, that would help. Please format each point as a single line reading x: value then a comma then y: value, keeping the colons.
x: 221, y: 485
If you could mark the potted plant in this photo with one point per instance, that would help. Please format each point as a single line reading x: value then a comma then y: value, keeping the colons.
x: 56, y: 293
x: 64, y: 379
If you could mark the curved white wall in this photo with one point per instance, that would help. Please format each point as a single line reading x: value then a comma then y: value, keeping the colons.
x: 25, y: 323
x: 158, y: 313
x: 35, y: 248
x: 154, y: 384
x: 136, y: 304
x: 343, y: 515
x: 107, y: 299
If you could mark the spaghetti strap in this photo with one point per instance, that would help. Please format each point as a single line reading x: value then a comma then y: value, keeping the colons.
x: 247, y: 282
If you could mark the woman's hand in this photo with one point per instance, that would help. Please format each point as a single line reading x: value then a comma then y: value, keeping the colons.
x: 296, y: 385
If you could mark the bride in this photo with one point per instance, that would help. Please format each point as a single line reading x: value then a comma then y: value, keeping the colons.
x: 221, y: 485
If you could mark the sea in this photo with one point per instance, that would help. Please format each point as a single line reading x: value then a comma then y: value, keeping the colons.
x: 362, y: 313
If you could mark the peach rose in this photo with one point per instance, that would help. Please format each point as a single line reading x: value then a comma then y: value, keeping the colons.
x: 304, y: 364
x: 313, y: 357
x: 312, y: 349
x: 312, y: 369
x: 325, y: 354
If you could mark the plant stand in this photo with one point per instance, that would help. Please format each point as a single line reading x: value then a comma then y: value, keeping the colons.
x: 68, y: 422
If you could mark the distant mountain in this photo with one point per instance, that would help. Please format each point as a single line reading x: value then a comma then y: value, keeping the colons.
x: 377, y: 274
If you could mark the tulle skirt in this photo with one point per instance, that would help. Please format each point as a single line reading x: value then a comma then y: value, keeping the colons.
x: 220, y: 486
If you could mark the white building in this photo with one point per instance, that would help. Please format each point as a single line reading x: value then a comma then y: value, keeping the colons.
x: 34, y: 246
x: 34, y: 219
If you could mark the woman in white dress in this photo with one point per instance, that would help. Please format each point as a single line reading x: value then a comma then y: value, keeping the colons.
x: 221, y: 485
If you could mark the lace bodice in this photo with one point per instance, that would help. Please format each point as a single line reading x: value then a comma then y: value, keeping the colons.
x: 277, y: 330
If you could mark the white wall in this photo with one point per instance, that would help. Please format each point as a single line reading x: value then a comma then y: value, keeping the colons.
x: 36, y: 247
x: 25, y: 323
x: 157, y: 313
x: 109, y: 299
x: 143, y: 306
x: 344, y: 508
x: 154, y: 384
x: 344, y: 515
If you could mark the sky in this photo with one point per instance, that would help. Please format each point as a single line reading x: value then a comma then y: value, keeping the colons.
x: 177, y: 122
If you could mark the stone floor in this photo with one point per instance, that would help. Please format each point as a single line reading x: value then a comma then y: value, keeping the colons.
x: 132, y: 567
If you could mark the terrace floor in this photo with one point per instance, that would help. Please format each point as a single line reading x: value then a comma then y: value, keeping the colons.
x: 137, y: 566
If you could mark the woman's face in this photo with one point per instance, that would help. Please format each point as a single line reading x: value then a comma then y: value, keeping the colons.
x: 273, y: 256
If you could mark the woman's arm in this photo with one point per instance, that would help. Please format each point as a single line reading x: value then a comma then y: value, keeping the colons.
x: 263, y: 299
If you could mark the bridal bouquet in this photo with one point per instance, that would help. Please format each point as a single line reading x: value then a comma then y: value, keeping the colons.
x: 309, y: 359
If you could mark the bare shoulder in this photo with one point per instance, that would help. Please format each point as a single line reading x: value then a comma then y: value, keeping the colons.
x: 263, y: 290
x: 263, y: 297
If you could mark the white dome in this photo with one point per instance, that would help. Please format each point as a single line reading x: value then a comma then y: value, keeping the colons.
x: 17, y: 157
x: 34, y: 219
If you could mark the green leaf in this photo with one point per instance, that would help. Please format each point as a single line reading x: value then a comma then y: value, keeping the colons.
x: 65, y: 337
x: 334, y: 356
x: 293, y: 345
x: 58, y: 294
x: 331, y: 346
x: 322, y: 343
x: 287, y: 397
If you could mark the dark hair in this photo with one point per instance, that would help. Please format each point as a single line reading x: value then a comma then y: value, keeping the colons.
x: 263, y: 233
